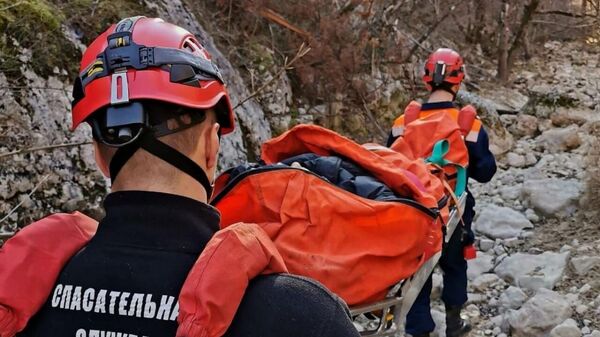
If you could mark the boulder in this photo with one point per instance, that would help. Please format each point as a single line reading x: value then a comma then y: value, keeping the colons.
x: 583, y: 264
x: 533, y: 271
x: 500, y: 222
x: 485, y: 244
x: 552, y: 197
x: 567, y: 328
x: 515, y: 160
x: 484, y: 281
x: 539, y: 315
x: 566, y: 117
x: 525, y: 125
x: 560, y: 140
x: 512, y: 298
x: 484, y: 263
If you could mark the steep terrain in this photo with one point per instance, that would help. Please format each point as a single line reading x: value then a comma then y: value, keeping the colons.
x: 537, y: 224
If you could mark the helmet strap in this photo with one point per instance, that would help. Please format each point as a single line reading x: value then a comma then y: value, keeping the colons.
x: 150, y: 143
x: 448, y: 87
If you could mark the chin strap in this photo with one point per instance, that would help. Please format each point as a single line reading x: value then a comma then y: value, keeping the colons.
x: 150, y: 143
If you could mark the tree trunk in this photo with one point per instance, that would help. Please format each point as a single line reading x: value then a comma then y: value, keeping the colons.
x: 477, y: 24
x: 584, y: 6
x: 503, y: 41
x: 528, y: 12
x: 527, y: 44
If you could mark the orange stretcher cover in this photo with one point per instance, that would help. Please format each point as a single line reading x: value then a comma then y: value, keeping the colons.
x: 357, y: 247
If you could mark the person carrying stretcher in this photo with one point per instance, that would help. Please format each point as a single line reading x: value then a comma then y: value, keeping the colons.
x: 444, y: 72
x: 157, y: 106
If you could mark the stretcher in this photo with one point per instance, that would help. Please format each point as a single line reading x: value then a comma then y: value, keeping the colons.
x: 386, y: 317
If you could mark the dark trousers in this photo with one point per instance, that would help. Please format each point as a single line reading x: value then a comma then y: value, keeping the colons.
x: 454, y: 266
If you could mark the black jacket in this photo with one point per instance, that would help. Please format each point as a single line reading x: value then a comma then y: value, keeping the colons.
x: 126, y: 281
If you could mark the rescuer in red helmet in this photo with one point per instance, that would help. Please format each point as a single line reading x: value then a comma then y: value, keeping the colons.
x: 444, y: 73
x: 157, y: 106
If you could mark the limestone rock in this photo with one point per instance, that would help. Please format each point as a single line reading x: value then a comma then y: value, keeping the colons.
x: 515, y: 160
x: 560, y: 140
x: 512, y: 298
x: 484, y: 263
x: 552, y: 197
x: 525, y: 125
x: 583, y: 264
x: 567, y: 328
x: 533, y: 271
x: 484, y: 281
x: 500, y: 222
x: 539, y: 315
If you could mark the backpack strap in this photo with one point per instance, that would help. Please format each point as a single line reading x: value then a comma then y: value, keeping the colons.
x: 213, y: 290
x: 469, y: 123
x: 440, y: 150
x: 412, y: 112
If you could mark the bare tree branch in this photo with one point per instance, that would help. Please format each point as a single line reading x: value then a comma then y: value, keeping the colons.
x: 425, y: 36
x: 370, y: 115
x: 42, y: 148
x: 564, y: 13
x: 12, y: 211
x: 302, y: 51
x: 275, y: 17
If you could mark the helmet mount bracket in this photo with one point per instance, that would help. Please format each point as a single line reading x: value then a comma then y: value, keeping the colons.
x: 119, y: 87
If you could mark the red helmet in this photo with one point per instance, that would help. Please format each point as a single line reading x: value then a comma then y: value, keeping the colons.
x: 444, y: 70
x: 148, y: 59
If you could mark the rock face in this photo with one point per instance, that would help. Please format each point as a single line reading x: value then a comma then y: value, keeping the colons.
x: 539, y: 315
x: 40, y: 117
x: 533, y: 271
x: 500, y: 222
x: 552, y: 197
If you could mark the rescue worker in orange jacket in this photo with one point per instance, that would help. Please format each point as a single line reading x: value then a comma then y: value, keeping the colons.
x: 157, y: 106
x: 444, y: 72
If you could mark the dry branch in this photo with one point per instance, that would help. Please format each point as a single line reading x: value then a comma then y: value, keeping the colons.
x: 12, y: 211
x: 564, y: 13
x: 42, y: 148
x: 370, y: 115
x: 274, y: 17
x: 302, y: 51
x: 425, y: 36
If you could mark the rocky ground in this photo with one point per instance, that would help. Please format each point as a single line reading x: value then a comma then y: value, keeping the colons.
x: 538, y: 267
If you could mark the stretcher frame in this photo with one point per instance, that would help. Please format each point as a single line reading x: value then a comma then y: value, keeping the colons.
x: 390, y: 313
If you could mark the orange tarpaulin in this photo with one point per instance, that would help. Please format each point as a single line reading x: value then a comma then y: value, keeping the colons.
x: 357, y: 247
